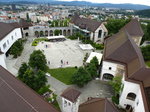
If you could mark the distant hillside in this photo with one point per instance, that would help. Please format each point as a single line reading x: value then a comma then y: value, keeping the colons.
x: 144, y: 13
x: 80, y: 3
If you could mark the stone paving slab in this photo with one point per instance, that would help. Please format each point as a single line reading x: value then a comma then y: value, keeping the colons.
x: 67, y: 51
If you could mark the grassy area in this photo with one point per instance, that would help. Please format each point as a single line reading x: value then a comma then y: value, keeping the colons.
x: 63, y: 74
x: 148, y: 63
x: 36, y: 41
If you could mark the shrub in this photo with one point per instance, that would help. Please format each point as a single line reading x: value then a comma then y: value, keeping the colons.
x: 115, y: 99
x: 16, y: 48
x: 36, y: 41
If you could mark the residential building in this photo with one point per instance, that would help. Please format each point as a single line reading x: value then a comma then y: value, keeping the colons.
x: 93, y: 30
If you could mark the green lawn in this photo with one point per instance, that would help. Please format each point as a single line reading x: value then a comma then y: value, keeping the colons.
x: 148, y: 63
x: 63, y: 74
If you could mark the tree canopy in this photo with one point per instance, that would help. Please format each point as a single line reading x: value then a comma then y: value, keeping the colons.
x: 22, y: 70
x: 38, y: 60
x: 81, y: 77
x: 146, y: 52
x: 114, y: 25
x: 16, y: 48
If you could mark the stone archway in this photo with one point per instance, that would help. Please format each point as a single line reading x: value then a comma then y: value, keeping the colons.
x: 41, y: 33
x: 68, y: 32
x: 36, y: 33
x: 131, y: 96
x: 46, y: 33
x: 51, y: 32
x: 27, y: 34
x: 60, y: 32
x: 64, y: 32
x: 108, y: 76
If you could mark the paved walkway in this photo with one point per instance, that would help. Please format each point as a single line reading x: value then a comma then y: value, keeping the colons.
x: 28, y: 49
x: 95, y: 88
x: 13, y: 64
x: 57, y: 87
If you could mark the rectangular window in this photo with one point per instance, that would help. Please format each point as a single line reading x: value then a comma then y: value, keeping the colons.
x: 99, y: 33
x: 12, y: 37
x: 4, y: 45
x: 8, y: 42
x: 65, y: 103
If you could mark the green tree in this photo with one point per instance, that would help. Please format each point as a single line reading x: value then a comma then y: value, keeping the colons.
x: 116, y: 84
x: 95, y: 61
x: 85, y: 58
x: 146, y: 52
x: 22, y: 70
x: 92, y: 70
x: 28, y: 19
x: 16, y: 48
x: 29, y: 78
x: 40, y: 80
x: 114, y: 25
x: 81, y: 77
x: 57, y: 32
x: 38, y: 61
x: 34, y: 80
x: 44, y: 89
x: 65, y: 23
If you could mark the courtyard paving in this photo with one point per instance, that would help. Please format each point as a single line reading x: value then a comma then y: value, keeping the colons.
x: 68, y: 51
x: 95, y: 88
x: 13, y: 64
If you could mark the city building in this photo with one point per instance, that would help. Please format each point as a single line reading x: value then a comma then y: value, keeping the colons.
x: 9, y: 34
x: 93, y: 30
x: 123, y: 57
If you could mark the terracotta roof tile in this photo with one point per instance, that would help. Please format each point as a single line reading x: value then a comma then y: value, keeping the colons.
x: 97, y: 105
x: 133, y: 28
x: 15, y: 96
x: 71, y: 94
x: 85, y: 23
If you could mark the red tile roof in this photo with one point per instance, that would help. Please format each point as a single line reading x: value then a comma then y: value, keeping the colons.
x: 71, y: 94
x: 15, y: 96
x: 97, y: 105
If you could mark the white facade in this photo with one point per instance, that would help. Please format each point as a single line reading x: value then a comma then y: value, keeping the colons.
x: 7, y: 42
x: 111, y: 68
x: 95, y: 35
x: 137, y: 103
x: 68, y: 106
x: 131, y: 93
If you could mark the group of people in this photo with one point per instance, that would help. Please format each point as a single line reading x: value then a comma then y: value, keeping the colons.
x: 63, y: 63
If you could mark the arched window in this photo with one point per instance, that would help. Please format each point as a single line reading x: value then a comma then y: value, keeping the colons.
x: 51, y: 32
x: 46, y: 33
x: 108, y: 76
x: 131, y: 96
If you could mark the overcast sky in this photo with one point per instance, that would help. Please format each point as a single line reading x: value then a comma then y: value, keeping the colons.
x: 144, y: 2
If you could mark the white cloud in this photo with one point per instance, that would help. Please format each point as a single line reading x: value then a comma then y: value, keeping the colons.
x: 144, y: 2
